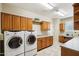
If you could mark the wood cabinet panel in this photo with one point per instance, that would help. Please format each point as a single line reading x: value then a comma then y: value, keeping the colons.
x: 44, y: 44
x: 48, y: 41
x: 29, y: 23
x: 39, y: 44
x: 76, y: 8
x: 6, y: 21
x: 76, y: 25
x: 61, y: 39
x: 68, y: 52
x: 23, y: 23
x: 16, y: 22
x: 62, y: 29
x: 51, y: 40
x: 44, y: 26
x: 76, y: 16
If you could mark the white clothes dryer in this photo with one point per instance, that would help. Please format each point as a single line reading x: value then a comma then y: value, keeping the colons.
x: 30, y: 44
x: 13, y: 43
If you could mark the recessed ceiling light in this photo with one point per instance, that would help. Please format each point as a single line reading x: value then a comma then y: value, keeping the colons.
x: 47, y: 5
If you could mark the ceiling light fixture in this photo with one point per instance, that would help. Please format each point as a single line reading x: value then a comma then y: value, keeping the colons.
x: 60, y: 13
x: 48, y: 5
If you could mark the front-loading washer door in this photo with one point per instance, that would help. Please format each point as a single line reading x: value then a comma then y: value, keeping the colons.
x: 15, y: 42
x: 31, y: 39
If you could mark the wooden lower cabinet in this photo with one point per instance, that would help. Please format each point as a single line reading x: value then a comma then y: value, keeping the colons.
x: 68, y: 52
x: 48, y: 41
x: 39, y: 44
x: 44, y: 42
x: 51, y: 40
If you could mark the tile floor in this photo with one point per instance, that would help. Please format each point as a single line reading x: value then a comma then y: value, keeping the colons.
x: 50, y: 51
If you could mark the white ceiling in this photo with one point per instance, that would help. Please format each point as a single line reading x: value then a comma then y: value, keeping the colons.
x: 40, y: 9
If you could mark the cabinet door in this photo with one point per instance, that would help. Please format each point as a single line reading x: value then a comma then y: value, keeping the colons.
x: 44, y: 43
x: 62, y: 27
x: 6, y: 21
x: 29, y: 24
x: 51, y: 40
x: 39, y: 44
x: 76, y: 17
x: 76, y: 8
x: 61, y: 39
x: 23, y: 23
x: 16, y: 22
x: 44, y: 26
x: 48, y: 41
x: 76, y: 25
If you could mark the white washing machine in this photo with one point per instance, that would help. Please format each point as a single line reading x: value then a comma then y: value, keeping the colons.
x: 30, y: 44
x: 13, y: 43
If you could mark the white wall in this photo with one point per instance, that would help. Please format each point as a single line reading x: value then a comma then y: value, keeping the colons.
x: 22, y: 12
x: 68, y: 24
x: 56, y: 36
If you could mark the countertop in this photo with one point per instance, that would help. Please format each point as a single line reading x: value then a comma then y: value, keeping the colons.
x: 40, y: 36
x: 72, y: 44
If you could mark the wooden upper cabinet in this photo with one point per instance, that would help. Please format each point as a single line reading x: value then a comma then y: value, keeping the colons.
x: 76, y: 25
x: 29, y: 23
x: 61, y: 39
x: 76, y: 16
x: 6, y: 21
x: 62, y: 29
x: 76, y: 8
x: 44, y: 26
x: 23, y: 23
x: 16, y: 22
